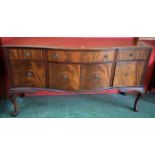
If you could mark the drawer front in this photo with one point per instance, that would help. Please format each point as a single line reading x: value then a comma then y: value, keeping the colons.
x: 63, y: 56
x: 26, y: 54
x: 129, y: 73
x: 97, y: 56
x: 64, y: 76
x: 131, y: 54
x: 80, y: 56
x: 95, y: 76
x: 27, y: 74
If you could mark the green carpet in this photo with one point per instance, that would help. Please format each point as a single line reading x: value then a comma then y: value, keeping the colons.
x: 81, y: 106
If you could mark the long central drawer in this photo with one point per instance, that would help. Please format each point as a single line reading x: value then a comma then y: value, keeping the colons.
x: 80, y: 56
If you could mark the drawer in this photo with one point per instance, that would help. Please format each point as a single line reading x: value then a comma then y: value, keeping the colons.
x: 96, y: 76
x: 64, y: 76
x: 132, y: 54
x: 129, y: 73
x: 27, y: 74
x: 97, y: 56
x: 64, y: 56
x: 26, y: 54
x: 80, y: 56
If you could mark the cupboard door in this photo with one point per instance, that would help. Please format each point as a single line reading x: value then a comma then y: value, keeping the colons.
x: 129, y: 73
x: 27, y: 74
x: 64, y: 76
x: 95, y: 76
x: 26, y: 54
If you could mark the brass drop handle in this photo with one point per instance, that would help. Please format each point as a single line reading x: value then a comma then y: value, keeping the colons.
x: 96, y: 77
x: 65, y: 77
x: 131, y: 54
x: 105, y: 56
x: 55, y: 56
x: 29, y: 73
x: 27, y: 53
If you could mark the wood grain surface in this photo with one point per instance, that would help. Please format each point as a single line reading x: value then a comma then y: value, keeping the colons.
x: 95, y: 76
x: 27, y: 74
x: 129, y: 73
x: 64, y: 76
x: 26, y: 54
x: 97, y: 56
x: 64, y: 56
x: 80, y: 57
x: 133, y: 54
x: 77, y: 67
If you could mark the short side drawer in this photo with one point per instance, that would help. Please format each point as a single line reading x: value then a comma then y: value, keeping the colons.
x: 26, y: 54
x: 133, y: 54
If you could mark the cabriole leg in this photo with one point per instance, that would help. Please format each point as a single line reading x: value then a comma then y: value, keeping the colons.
x: 138, y: 95
x: 134, y: 92
x: 15, y: 105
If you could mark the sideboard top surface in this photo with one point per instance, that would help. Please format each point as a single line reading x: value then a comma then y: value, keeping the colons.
x: 70, y: 42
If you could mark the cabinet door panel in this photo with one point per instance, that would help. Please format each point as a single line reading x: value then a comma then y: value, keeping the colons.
x: 129, y: 73
x: 27, y: 74
x: 64, y: 76
x: 95, y: 76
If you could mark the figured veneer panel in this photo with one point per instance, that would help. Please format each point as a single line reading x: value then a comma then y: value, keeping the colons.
x: 96, y: 76
x: 80, y: 56
x: 26, y: 54
x: 27, y: 74
x: 129, y: 73
x: 64, y: 76
x: 15, y: 53
x: 64, y: 56
x: 97, y: 56
x: 133, y: 54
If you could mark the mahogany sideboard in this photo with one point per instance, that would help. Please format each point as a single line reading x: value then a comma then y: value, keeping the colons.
x: 76, y: 65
